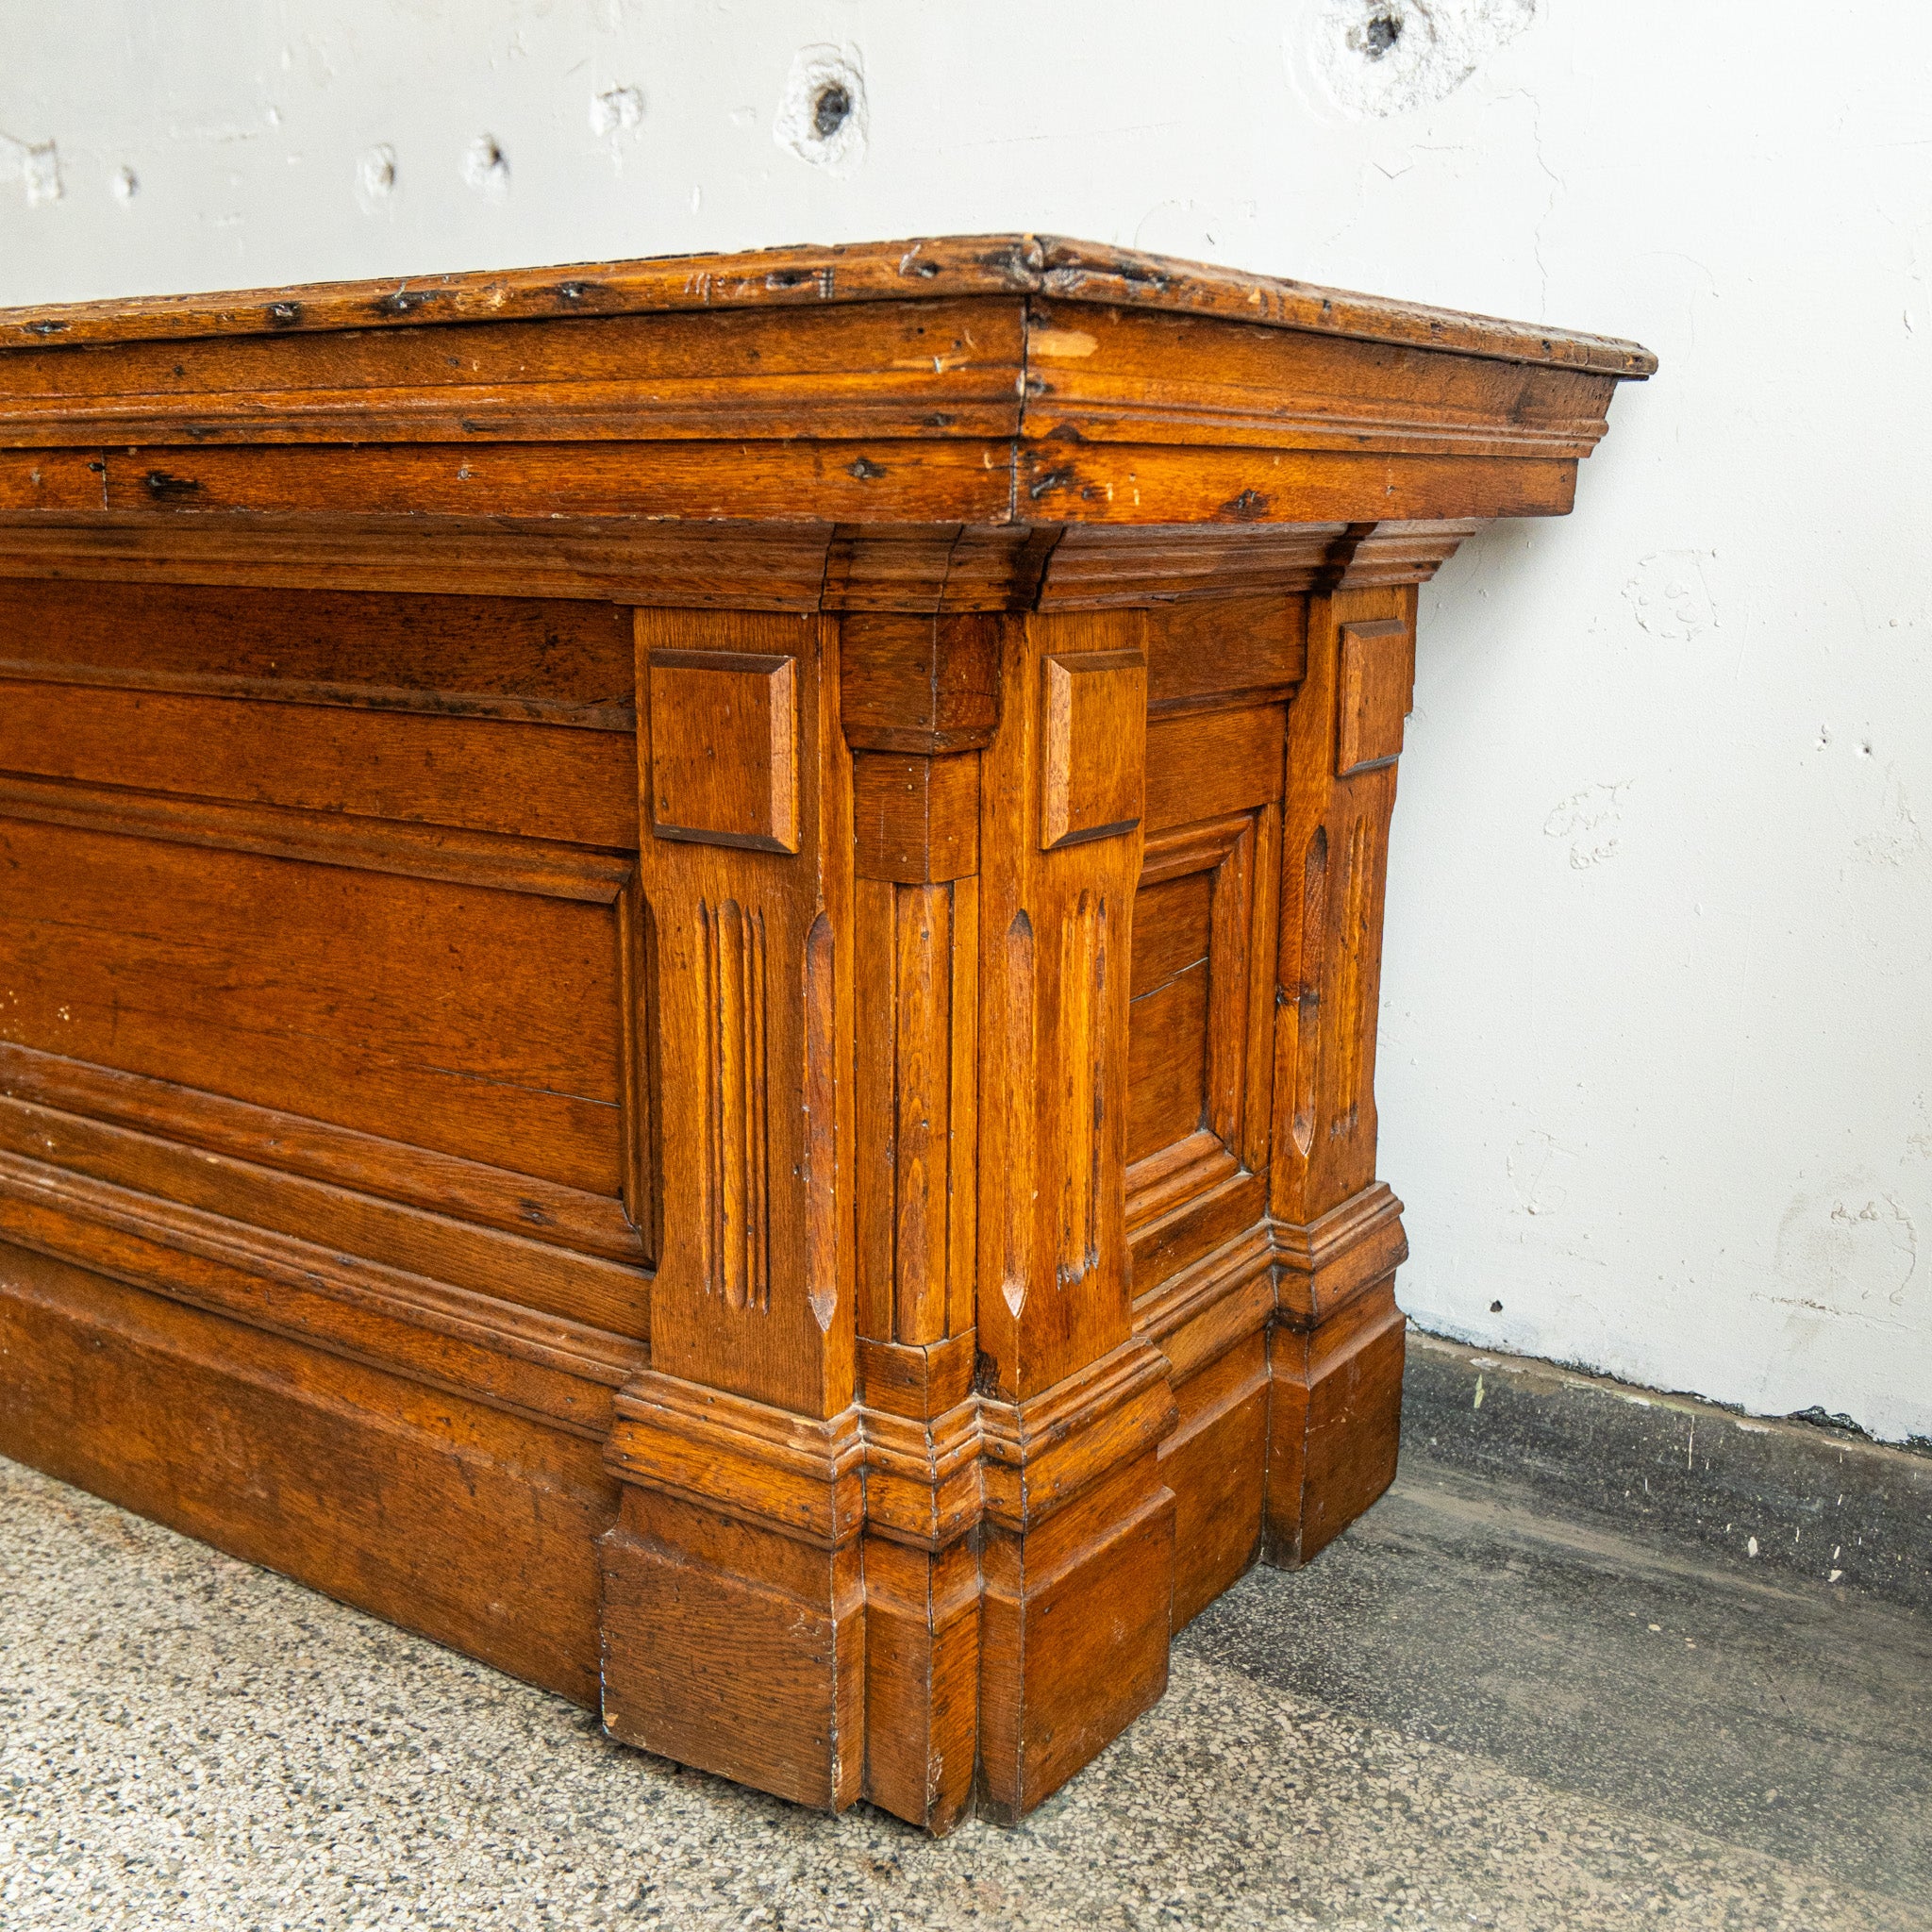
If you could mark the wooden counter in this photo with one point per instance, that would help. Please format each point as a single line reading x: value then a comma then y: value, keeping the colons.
x: 689, y: 957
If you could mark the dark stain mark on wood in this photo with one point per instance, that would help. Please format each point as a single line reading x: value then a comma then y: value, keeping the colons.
x: 866, y: 469
x: 165, y: 487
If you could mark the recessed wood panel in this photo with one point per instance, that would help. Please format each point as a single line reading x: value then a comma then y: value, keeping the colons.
x: 1197, y: 1059
x: 542, y: 782
x: 543, y: 660
x: 1173, y: 928
x: 1167, y: 1063
x: 1202, y: 766
x: 1204, y: 649
x: 1167, y: 1025
x: 477, y: 1022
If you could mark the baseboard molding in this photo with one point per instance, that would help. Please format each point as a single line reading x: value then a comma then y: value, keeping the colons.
x: 1782, y: 1497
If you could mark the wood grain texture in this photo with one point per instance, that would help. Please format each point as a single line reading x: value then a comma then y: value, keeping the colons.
x: 868, y: 569
x: 1335, y: 836
x: 915, y: 820
x: 724, y: 753
x: 1056, y: 928
x: 690, y: 949
x: 736, y: 1306
x: 882, y: 368
x: 551, y: 660
x: 808, y: 278
x: 491, y: 1035
x: 480, y: 775
x: 294, y: 1144
x: 368, y: 1486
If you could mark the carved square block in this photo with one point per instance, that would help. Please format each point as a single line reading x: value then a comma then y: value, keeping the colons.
x: 723, y: 749
x: 1376, y: 673
x: 1094, y: 734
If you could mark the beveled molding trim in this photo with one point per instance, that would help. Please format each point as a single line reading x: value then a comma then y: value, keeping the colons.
x: 546, y: 1368
x: 421, y: 1177
x: 669, y: 408
x: 928, y: 1479
x: 1199, y: 1314
x: 921, y: 1481
x: 411, y: 849
x: 1326, y: 1263
x: 1292, y: 1277
x: 747, y: 1459
x: 703, y: 564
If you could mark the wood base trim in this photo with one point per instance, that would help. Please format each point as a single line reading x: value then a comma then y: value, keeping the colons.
x: 466, y: 1521
x: 1073, y: 1635
x: 737, y: 1649
x: 539, y: 1366
x: 1335, y: 1416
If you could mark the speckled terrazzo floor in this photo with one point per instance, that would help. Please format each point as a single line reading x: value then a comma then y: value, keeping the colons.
x: 1465, y: 1713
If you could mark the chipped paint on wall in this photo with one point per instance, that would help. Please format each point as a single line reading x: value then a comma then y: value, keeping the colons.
x: 35, y: 164
x: 1670, y: 595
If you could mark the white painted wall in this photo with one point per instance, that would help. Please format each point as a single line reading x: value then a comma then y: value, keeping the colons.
x: 1654, y: 1073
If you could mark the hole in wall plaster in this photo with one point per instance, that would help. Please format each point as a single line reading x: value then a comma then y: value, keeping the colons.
x: 124, y: 185
x: 1385, y: 57
x: 829, y: 111
x: 486, y: 167
x: 821, y: 117
x: 1381, y: 32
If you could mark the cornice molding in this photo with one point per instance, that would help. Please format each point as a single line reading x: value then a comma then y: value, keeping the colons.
x: 936, y: 569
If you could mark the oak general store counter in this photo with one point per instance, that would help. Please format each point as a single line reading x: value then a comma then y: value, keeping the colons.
x: 689, y: 957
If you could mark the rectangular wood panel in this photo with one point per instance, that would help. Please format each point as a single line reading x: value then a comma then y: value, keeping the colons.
x: 1203, y: 765
x: 477, y: 1022
x: 560, y: 663
x: 1167, y: 1036
x: 542, y: 781
x: 1167, y: 1063
x: 1203, y: 650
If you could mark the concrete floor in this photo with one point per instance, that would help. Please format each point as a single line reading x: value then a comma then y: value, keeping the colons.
x: 1469, y: 1711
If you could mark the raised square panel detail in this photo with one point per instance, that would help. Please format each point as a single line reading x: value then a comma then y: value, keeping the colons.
x: 1376, y: 673
x: 723, y: 759
x: 1093, y: 729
